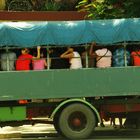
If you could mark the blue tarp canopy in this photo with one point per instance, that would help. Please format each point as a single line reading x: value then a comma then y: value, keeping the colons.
x: 28, y: 34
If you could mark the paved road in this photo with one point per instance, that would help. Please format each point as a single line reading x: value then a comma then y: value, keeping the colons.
x: 47, y: 132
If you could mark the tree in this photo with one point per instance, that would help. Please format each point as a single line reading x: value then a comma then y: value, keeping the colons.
x: 132, y: 8
x: 109, y: 9
x: 2, y: 4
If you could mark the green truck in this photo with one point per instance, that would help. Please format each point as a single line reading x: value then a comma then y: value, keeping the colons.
x: 74, y: 100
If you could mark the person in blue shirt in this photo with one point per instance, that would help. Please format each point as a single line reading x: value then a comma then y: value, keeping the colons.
x: 121, y: 57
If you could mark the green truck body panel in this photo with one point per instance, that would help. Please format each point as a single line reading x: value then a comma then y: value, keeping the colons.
x: 12, y: 113
x: 70, y: 83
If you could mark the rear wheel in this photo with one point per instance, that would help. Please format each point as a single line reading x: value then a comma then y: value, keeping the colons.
x: 56, y: 125
x: 77, y: 121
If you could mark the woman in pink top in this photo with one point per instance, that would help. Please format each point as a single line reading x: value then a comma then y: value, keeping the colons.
x: 39, y: 64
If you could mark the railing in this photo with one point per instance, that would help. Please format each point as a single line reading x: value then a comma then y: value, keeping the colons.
x: 87, y: 61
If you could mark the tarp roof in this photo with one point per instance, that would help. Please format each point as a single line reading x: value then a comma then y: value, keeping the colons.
x: 28, y: 34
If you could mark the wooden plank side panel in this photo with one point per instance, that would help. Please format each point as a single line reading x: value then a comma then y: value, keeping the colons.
x: 42, y: 16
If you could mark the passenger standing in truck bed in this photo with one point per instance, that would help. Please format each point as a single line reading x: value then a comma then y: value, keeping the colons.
x: 121, y: 57
x: 103, y: 56
x: 74, y: 58
x: 8, y: 61
x: 24, y: 60
x: 135, y: 55
x: 39, y: 64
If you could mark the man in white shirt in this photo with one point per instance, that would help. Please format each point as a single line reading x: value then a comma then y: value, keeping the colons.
x: 103, y: 56
x: 74, y: 58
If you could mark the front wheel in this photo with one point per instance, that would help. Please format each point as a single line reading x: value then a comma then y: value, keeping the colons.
x: 77, y: 121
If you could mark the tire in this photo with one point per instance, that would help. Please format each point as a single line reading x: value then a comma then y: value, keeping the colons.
x: 77, y: 121
x: 56, y: 125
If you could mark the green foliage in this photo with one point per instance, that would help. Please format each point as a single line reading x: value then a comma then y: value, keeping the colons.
x: 132, y: 8
x: 51, y: 6
x: 109, y: 9
x: 19, y: 5
x: 41, y: 5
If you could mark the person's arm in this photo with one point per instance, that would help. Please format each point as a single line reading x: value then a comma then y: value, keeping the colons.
x: 45, y: 63
x: 38, y: 52
x: 67, y: 54
x: 91, y: 53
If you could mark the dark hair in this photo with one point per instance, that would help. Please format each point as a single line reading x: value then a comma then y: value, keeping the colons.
x: 26, y: 50
x: 137, y: 48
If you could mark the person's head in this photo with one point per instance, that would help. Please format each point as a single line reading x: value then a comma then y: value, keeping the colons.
x: 70, y: 49
x: 25, y: 51
x: 50, y: 51
x: 137, y: 48
x: 99, y: 47
x: 41, y: 54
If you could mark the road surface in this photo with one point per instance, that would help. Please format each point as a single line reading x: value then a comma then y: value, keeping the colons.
x: 47, y: 132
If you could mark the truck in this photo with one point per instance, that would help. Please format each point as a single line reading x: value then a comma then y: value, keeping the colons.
x: 75, y: 101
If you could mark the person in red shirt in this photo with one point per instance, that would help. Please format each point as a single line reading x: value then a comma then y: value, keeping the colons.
x: 136, y: 57
x: 24, y: 60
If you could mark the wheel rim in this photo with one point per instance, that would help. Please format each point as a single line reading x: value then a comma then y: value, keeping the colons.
x: 77, y: 121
